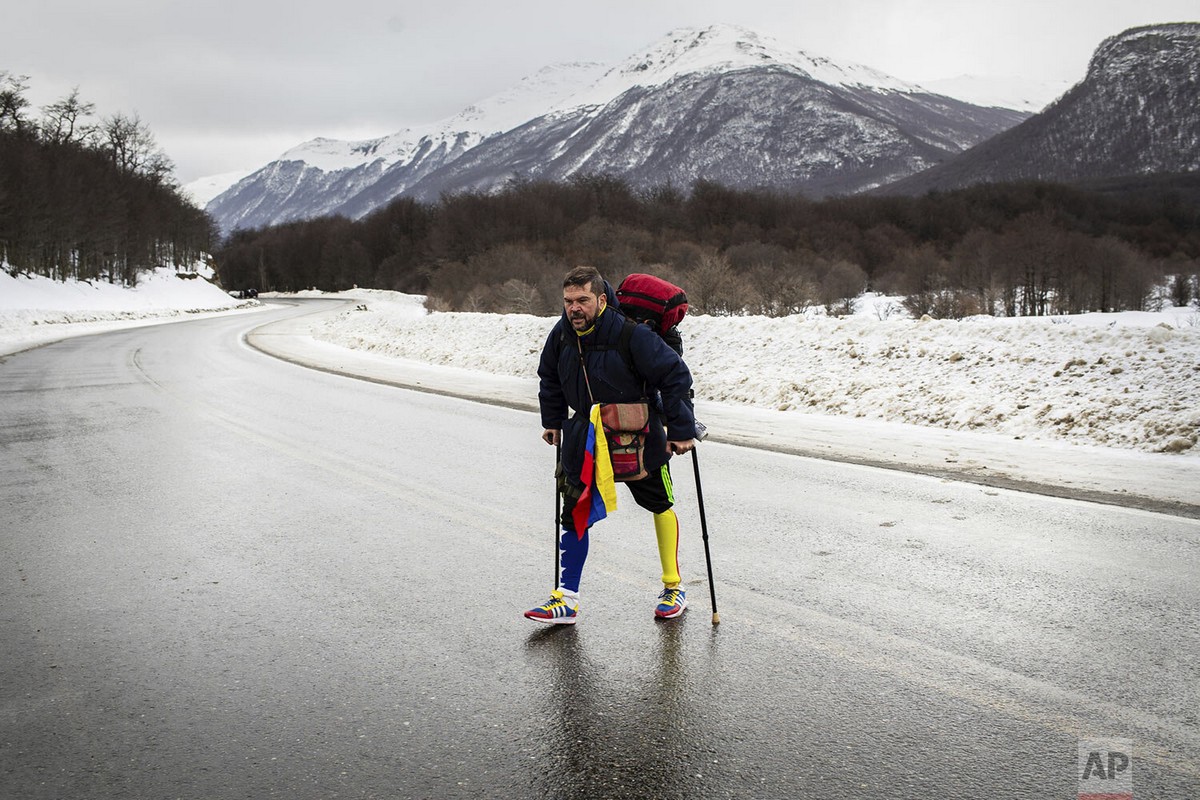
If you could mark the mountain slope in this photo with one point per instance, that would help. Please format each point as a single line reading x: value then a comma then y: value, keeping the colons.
x: 1137, y: 112
x: 325, y: 175
x: 719, y: 103
x: 1022, y: 94
x: 760, y: 127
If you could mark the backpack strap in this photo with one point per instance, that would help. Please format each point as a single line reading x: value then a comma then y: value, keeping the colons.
x: 623, y: 346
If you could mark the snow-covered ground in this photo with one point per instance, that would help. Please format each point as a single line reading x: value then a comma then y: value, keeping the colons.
x: 1104, y: 406
x: 1128, y: 380
x: 35, y: 310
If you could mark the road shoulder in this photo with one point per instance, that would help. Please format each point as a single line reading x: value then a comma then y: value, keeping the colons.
x: 1149, y: 481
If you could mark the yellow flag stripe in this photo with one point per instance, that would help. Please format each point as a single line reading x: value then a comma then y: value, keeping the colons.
x: 605, y: 484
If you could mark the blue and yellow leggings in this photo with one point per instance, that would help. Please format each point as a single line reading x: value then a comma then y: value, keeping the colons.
x: 653, y: 493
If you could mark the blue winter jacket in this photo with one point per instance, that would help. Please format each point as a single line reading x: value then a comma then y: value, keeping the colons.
x: 658, y: 375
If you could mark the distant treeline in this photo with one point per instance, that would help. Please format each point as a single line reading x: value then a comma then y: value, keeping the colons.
x: 91, y: 200
x: 1019, y: 249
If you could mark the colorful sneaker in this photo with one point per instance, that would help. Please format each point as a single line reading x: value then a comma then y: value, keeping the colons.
x: 671, y: 603
x: 560, y: 609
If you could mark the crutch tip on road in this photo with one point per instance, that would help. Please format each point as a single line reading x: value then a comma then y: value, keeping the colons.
x: 712, y: 589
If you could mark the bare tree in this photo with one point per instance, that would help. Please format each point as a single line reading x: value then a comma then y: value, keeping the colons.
x: 714, y: 288
x: 63, y: 122
x: 518, y: 297
x: 13, y: 103
x: 784, y: 291
x: 132, y: 148
x: 842, y: 282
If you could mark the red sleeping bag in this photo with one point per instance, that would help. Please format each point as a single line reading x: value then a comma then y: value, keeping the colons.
x: 646, y: 298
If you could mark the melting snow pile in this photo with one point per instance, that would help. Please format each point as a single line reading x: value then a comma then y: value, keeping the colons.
x: 35, y: 310
x: 1129, y: 380
x: 33, y: 299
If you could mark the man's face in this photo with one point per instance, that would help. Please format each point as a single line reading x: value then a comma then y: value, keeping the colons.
x: 582, y: 306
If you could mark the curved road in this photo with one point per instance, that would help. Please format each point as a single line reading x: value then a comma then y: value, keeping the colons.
x: 226, y: 576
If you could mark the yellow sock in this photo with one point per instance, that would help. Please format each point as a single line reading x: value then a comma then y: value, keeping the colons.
x: 666, y: 530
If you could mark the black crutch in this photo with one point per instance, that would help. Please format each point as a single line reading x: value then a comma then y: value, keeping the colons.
x: 716, y: 619
x: 557, y: 509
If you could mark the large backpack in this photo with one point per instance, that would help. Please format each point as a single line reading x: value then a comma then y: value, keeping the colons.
x: 647, y: 300
x: 651, y: 300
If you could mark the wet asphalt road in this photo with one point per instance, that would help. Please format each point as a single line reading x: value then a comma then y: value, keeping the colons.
x: 224, y: 576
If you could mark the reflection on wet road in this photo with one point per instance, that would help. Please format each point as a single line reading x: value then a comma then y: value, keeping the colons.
x: 223, y: 576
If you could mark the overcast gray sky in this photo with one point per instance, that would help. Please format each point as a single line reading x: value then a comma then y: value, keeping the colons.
x: 229, y: 84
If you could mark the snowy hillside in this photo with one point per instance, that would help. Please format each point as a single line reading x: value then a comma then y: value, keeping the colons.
x: 1135, y: 113
x: 720, y: 49
x: 35, y: 310
x: 726, y: 105
x: 326, y: 176
x: 1022, y: 94
x: 1126, y: 380
x: 531, y: 97
x: 720, y: 103
x: 202, y: 190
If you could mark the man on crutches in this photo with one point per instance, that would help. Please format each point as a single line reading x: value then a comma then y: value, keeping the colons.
x: 615, y: 398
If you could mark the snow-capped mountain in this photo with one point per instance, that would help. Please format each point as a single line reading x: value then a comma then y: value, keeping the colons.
x: 717, y: 50
x: 719, y: 103
x: 1022, y: 94
x: 1137, y: 112
x: 728, y: 105
x: 325, y: 175
x: 202, y: 190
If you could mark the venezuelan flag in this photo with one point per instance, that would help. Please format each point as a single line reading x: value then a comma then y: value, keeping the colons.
x: 599, y: 489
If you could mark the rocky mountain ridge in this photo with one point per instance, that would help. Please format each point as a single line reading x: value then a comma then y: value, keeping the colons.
x: 1137, y: 112
x: 319, y: 177
x: 718, y: 103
